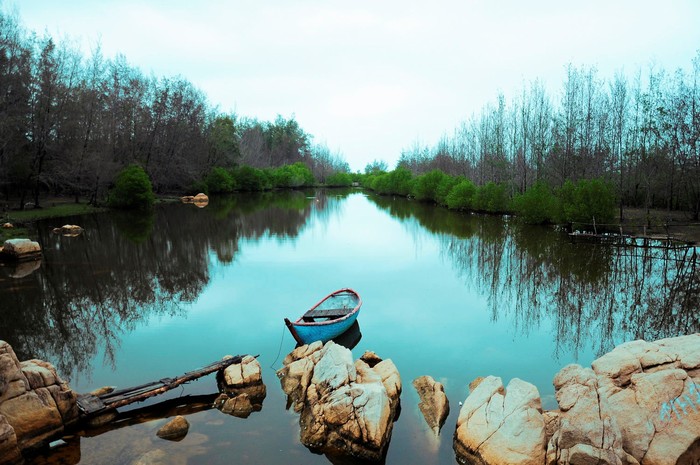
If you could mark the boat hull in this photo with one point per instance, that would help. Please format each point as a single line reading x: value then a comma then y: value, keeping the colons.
x: 328, y: 319
x: 308, y: 333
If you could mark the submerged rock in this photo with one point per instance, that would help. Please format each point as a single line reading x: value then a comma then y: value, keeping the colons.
x: 638, y: 404
x: 241, y: 387
x: 433, y: 402
x: 346, y: 408
x: 69, y: 230
x: 200, y: 200
x: 174, y: 430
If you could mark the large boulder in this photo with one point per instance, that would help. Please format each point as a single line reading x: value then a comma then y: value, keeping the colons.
x: 498, y: 425
x: 241, y: 387
x: 587, y: 430
x: 9, y: 451
x: 433, y: 402
x: 638, y: 404
x: 346, y: 408
x: 21, y: 249
x: 35, y: 403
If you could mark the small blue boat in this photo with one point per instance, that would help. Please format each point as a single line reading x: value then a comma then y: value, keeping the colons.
x: 329, y: 318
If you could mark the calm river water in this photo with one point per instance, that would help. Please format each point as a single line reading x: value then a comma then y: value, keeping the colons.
x: 455, y: 296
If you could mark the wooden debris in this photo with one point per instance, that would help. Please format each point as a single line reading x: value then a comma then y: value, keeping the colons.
x: 91, y: 405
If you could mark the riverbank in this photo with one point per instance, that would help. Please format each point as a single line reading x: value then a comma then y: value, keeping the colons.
x: 54, y: 208
x: 678, y: 224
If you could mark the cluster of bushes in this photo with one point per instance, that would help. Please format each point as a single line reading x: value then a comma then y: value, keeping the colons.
x: 246, y: 178
x: 581, y: 202
x: 339, y: 179
x: 132, y: 187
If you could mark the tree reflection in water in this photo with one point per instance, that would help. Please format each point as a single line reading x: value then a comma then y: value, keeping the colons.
x: 602, y: 294
x: 127, y: 268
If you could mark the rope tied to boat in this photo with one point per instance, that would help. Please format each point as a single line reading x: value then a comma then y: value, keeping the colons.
x: 279, y: 351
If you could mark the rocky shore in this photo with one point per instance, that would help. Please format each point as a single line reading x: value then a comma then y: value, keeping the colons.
x: 346, y: 408
x: 637, y: 405
x: 35, y: 404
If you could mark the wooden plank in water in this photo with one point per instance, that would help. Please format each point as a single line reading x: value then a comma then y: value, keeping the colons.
x: 93, y: 405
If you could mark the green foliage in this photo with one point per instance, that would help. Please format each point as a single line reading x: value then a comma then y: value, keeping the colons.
x: 587, y: 200
x: 339, y: 179
x: 376, y: 167
x: 132, y: 189
x: 445, y: 187
x: 251, y: 179
x: 425, y: 187
x: 367, y: 180
x: 296, y: 175
x: 491, y: 198
x: 566, y: 202
x: 537, y: 205
x: 220, y: 181
x: 223, y: 141
x: 461, y: 197
x: 397, y: 182
x: 197, y: 187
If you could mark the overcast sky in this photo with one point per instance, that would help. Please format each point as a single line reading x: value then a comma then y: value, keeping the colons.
x: 370, y: 77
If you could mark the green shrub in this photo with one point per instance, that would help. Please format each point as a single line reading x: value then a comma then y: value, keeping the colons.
x: 132, y: 189
x: 197, y: 187
x: 585, y: 201
x: 250, y: 179
x: 425, y: 186
x: 339, y: 179
x: 491, y: 198
x: 220, y: 180
x: 400, y: 182
x: 445, y: 187
x: 537, y: 205
x: 296, y: 175
x: 461, y: 197
x: 380, y: 183
x: 367, y: 181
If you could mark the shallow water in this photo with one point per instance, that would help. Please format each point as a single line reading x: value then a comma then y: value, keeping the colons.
x: 455, y: 296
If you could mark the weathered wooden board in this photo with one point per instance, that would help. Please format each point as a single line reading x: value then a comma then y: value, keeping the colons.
x: 90, y: 405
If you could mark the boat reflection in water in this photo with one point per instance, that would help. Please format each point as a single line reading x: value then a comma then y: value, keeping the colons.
x: 351, y: 337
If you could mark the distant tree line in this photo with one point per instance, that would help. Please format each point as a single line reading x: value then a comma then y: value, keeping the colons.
x: 586, y: 201
x: 69, y: 124
x: 640, y: 134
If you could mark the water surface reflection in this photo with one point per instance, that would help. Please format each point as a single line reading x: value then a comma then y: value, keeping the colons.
x: 449, y: 295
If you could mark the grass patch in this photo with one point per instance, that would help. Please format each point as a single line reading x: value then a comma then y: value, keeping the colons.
x: 55, y: 211
x: 21, y: 218
x: 11, y: 233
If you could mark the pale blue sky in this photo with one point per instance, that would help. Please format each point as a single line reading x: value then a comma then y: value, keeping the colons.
x: 370, y: 77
